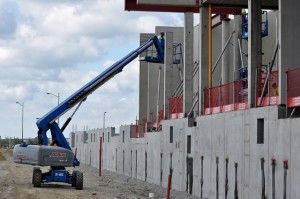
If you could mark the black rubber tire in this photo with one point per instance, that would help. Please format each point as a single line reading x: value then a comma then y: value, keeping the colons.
x: 79, y: 180
x: 34, y: 168
x: 74, y: 178
x: 37, y: 178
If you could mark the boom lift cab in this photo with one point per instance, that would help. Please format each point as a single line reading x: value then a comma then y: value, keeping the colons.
x: 264, y: 24
x: 60, y: 156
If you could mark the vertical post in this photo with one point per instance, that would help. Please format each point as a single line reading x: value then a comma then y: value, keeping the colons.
x: 22, y: 105
x: 256, y: 83
x: 169, y: 178
x: 263, y: 178
x: 237, y: 56
x: 100, y: 157
x: 226, y: 178
x: 254, y: 47
x: 201, y: 179
x: 285, y: 168
x: 168, y: 72
x: 273, y: 177
x: 157, y: 100
x: 188, y: 63
x: 22, y: 122
x: 289, y: 46
x: 217, y: 178
x: 226, y: 56
x: 209, y: 47
x: 203, y: 56
x: 104, y: 120
x: 236, y: 195
x: 269, y: 80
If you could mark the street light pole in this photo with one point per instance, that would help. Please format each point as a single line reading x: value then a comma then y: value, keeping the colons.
x: 57, y: 102
x: 22, y: 105
x: 104, y: 120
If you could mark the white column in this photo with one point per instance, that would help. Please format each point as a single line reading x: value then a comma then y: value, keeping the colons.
x: 254, y: 47
x: 226, y: 54
x: 188, y: 63
x: 236, y: 52
x: 289, y: 43
x: 203, y: 55
x: 168, y: 72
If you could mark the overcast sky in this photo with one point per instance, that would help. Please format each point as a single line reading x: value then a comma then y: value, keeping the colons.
x: 59, y: 45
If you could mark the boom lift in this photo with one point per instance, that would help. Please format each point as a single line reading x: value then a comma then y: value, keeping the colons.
x: 61, y: 156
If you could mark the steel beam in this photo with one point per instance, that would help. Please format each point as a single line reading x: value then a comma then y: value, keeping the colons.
x: 169, y: 2
x: 131, y: 5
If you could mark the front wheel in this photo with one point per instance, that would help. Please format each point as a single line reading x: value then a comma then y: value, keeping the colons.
x: 74, y: 174
x: 79, y: 180
x: 37, y: 178
x: 34, y: 168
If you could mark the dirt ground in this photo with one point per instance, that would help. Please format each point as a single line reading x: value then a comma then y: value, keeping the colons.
x: 15, y: 182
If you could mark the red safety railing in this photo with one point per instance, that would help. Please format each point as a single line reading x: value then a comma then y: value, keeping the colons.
x: 206, y: 103
x: 273, y: 87
x: 215, y: 96
x: 241, y: 91
x: 176, y: 107
x: 156, y: 126
x: 293, y: 87
x: 226, y: 97
x: 241, y: 94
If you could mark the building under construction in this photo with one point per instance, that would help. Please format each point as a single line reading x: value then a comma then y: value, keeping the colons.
x: 221, y: 113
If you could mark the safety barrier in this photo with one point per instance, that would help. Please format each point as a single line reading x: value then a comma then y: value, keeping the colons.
x: 271, y: 98
x: 161, y: 115
x: 137, y: 128
x: 227, y: 97
x: 293, y: 87
x: 176, y: 107
x: 156, y: 126
x: 241, y: 94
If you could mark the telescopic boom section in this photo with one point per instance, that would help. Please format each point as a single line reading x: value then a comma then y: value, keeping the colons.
x: 48, y: 121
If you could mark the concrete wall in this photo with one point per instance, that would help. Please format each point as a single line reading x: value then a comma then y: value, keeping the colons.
x: 230, y: 135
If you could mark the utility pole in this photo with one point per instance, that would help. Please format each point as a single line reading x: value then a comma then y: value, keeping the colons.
x: 57, y: 102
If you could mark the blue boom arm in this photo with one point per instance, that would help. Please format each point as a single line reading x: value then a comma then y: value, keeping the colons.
x: 48, y: 121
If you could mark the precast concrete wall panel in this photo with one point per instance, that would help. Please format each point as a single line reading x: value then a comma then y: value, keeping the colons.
x: 294, y: 162
x: 257, y: 151
x: 218, y: 147
x: 205, y: 126
x: 234, y: 130
x: 231, y: 135
x: 154, y: 157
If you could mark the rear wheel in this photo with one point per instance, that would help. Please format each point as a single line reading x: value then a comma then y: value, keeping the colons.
x: 37, y: 178
x: 79, y: 180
